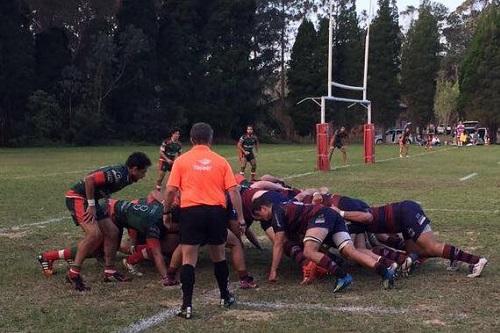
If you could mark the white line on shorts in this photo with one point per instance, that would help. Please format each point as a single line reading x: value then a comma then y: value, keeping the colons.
x: 23, y: 226
x: 474, y: 174
x: 144, y: 324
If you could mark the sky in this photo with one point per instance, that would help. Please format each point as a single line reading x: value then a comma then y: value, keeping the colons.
x: 402, y: 4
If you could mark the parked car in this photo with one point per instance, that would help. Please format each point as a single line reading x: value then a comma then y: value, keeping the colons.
x: 391, y: 136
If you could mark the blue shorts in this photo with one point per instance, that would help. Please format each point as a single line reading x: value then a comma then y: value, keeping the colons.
x: 337, y: 230
x: 412, y: 220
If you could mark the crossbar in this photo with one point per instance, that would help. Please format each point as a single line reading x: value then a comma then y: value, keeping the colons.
x: 347, y: 87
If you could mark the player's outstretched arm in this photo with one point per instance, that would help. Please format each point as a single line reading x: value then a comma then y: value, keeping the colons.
x: 279, y: 241
x: 355, y: 216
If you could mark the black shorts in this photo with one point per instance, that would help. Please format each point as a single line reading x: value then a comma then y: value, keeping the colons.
x: 78, y: 208
x: 338, y: 145
x: 250, y: 157
x: 203, y: 225
x: 337, y: 230
x: 413, y: 220
x: 164, y: 166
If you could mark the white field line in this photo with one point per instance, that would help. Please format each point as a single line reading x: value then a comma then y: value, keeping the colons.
x: 144, y: 324
x: 360, y: 164
x: 474, y: 174
x: 156, y: 319
x: 23, y: 226
x: 54, y: 174
x: 349, y: 309
x: 474, y: 211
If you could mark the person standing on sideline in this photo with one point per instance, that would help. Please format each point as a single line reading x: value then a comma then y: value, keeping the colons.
x: 339, y: 141
x: 404, y: 141
x: 169, y: 150
x: 202, y: 177
x: 459, y: 132
x: 246, y: 145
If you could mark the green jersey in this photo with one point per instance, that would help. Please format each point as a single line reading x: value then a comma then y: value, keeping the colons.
x: 171, y: 149
x: 147, y: 219
x: 248, y: 142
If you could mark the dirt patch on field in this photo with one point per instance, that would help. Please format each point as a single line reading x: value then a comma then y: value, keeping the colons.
x: 248, y: 315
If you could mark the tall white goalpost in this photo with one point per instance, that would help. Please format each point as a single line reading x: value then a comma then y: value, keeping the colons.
x: 322, y: 128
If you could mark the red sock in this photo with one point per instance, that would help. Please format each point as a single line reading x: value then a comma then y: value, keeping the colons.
x: 331, y: 266
x: 393, y: 255
x: 141, y: 253
x: 74, y: 271
x: 453, y: 253
x: 386, y: 262
x: 67, y: 253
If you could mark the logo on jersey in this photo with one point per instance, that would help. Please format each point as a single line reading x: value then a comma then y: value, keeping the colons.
x: 203, y: 165
x: 320, y: 219
x: 420, y: 218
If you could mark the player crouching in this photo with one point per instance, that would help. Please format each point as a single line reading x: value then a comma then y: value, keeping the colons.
x: 318, y: 225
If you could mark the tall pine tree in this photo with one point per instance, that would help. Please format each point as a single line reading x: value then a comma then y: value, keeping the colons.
x: 384, y: 64
x: 303, y: 79
x: 420, y: 64
x: 480, y: 73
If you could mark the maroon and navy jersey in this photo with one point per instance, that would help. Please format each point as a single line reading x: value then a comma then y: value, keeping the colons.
x: 294, y: 217
x: 107, y: 180
x: 348, y: 204
x: 246, y: 203
x: 248, y: 142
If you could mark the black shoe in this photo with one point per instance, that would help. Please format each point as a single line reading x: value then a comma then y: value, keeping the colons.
x: 185, y: 312
x: 77, y: 283
x: 228, y: 300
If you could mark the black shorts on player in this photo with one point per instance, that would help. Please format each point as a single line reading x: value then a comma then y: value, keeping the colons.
x: 203, y: 225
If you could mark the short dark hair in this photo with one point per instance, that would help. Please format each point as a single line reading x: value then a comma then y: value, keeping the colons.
x: 138, y: 159
x: 201, y: 133
x: 259, y: 202
x: 249, y: 125
x: 175, y: 129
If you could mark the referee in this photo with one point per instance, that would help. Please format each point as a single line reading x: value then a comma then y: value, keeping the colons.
x: 202, y: 177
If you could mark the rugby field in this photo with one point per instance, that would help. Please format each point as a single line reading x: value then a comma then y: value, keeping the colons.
x: 458, y: 188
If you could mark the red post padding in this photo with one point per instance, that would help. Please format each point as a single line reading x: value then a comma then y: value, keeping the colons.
x: 369, y: 142
x: 322, y: 145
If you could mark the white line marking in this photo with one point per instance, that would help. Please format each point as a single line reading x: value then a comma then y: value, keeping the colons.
x: 156, y: 319
x: 352, y: 309
x: 360, y: 164
x: 53, y: 174
x: 474, y: 174
x: 22, y: 226
x: 300, y: 175
x: 149, y: 322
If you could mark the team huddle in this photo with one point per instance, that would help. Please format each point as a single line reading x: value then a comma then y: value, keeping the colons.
x: 319, y: 230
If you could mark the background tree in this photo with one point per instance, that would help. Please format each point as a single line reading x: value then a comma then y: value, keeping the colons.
x: 16, y: 69
x: 480, y: 72
x: 303, y: 80
x: 445, y: 101
x: 384, y: 64
x: 420, y: 64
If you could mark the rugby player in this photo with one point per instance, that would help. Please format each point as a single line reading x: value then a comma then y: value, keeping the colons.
x: 247, y: 146
x: 82, y: 201
x: 408, y: 218
x: 339, y: 141
x: 314, y: 225
x: 169, y: 150
x: 202, y: 178
x: 404, y: 141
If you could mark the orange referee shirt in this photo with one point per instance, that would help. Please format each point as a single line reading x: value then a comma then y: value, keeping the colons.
x: 202, y: 177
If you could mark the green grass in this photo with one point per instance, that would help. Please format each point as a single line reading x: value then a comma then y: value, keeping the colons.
x: 464, y: 213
